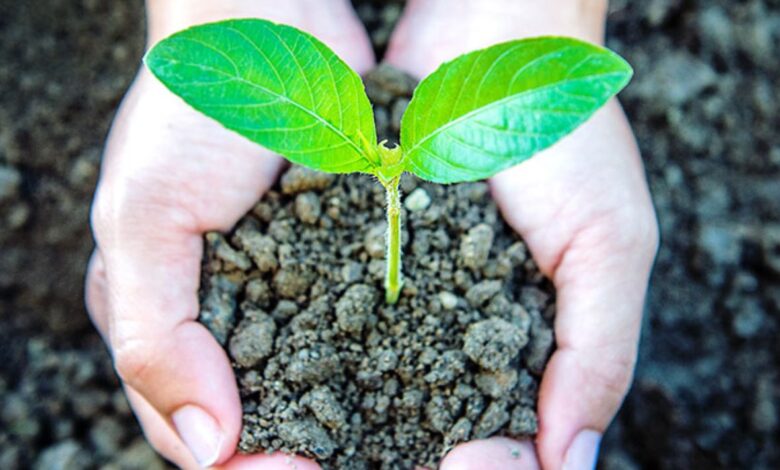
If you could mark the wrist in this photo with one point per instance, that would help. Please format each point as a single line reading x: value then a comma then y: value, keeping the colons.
x: 515, y: 19
x: 165, y: 17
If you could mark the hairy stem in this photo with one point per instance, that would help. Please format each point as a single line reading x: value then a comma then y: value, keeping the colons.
x: 393, y: 278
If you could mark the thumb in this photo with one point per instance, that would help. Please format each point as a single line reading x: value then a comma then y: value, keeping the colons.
x: 169, y: 360
x: 601, y: 284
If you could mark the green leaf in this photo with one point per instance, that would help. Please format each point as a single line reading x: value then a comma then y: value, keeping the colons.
x: 277, y: 86
x: 494, y: 108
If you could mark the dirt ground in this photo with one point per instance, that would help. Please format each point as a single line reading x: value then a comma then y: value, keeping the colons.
x: 705, y: 107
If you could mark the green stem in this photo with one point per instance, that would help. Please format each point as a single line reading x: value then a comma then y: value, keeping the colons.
x: 393, y: 279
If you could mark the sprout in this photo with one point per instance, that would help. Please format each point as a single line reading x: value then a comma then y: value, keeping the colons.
x: 474, y: 116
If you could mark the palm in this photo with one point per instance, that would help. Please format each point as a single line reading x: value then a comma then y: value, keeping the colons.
x: 590, y: 181
x: 183, y: 162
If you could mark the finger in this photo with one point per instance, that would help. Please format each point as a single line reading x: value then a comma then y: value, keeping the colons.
x: 275, y: 461
x: 600, y: 295
x: 96, y: 293
x: 595, y: 235
x: 159, y: 432
x: 152, y: 263
x: 498, y: 453
x: 165, y: 441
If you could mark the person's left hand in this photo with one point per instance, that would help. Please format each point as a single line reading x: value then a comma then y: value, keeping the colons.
x: 583, y: 208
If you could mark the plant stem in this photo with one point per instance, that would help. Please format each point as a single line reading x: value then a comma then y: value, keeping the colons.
x: 393, y: 278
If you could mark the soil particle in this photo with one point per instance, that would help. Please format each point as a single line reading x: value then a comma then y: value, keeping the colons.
x: 106, y: 435
x: 770, y: 244
x: 354, y: 308
x: 351, y: 272
x: 261, y: 248
x: 374, y: 241
x: 385, y: 83
x: 682, y: 78
x: 217, y: 308
x: 285, y: 310
x: 496, y: 384
x: 231, y: 258
x: 480, y: 293
x: 137, y: 455
x: 475, y: 246
x: 325, y: 407
x: 307, y: 207
x: 290, y: 283
x: 448, y: 300
x: 300, y: 179
x: 523, y: 422
x: 446, y: 368
x: 398, y: 109
x: 308, y: 434
x: 10, y: 178
x: 63, y: 456
x: 493, y: 343
x: 539, y: 347
x: 314, y: 364
x: 253, y: 339
x: 494, y: 417
x: 417, y: 200
x: 258, y: 292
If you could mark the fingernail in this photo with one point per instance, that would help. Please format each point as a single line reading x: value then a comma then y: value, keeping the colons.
x: 200, y: 433
x: 583, y: 451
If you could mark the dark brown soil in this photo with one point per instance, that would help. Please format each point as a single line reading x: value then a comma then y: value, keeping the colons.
x: 328, y: 370
x: 704, y: 104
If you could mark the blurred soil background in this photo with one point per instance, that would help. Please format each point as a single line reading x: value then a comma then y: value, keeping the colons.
x: 705, y: 106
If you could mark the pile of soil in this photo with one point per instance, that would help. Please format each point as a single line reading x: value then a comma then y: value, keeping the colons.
x: 705, y: 108
x: 328, y: 370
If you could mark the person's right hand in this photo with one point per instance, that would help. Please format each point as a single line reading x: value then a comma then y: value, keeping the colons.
x: 169, y: 175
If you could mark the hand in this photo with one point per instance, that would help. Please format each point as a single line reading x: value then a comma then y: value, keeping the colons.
x: 584, y: 210
x: 169, y: 175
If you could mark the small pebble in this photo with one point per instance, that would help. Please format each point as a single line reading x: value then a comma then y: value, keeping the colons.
x: 475, y: 246
x: 253, y: 339
x: 448, y: 300
x: 10, y: 179
x: 307, y: 207
x: 493, y: 343
x: 418, y: 200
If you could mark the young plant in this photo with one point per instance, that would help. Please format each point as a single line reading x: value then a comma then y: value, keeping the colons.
x: 473, y: 117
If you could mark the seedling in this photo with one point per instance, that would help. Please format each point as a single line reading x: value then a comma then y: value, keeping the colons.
x: 473, y: 117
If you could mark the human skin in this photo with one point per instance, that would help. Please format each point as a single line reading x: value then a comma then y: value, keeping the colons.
x: 170, y: 174
x: 583, y: 208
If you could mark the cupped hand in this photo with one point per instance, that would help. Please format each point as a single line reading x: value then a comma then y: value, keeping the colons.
x: 169, y: 175
x: 583, y: 208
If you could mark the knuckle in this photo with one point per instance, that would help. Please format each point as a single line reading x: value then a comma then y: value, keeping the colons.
x: 633, y: 230
x: 100, y: 215
x: 130, y: 207
x: 134, y: 358
x: 93, y: 284
x: 616, y: 375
